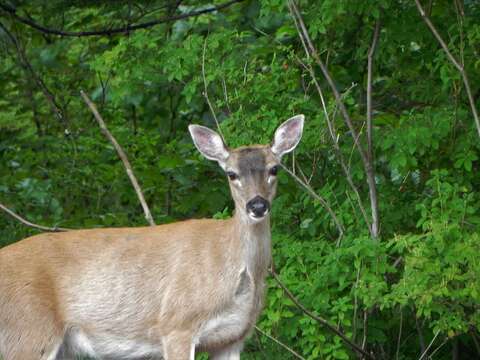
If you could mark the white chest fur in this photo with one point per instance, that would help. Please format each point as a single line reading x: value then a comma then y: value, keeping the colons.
x: 233, y: 321
x: 111, y: 346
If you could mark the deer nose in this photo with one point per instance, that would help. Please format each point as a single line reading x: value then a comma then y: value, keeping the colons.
x: 258, y: 207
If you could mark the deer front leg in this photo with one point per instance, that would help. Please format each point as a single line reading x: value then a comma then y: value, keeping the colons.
x: 178, y: 346
x: 231, y: 352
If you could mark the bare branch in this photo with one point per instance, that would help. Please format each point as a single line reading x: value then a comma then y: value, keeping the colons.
x: 225, y: 94
x: 370, y: 155
x: 365, y: 328
x: 399, y: 338
x: 311, y: 51
x: 30, y: 224
x: 107, y: 32
x: 338, y: 151
x: 319, y: 319
x: 438, y: 348
x: 429, y: 346
x: 454, y: 61
x: 286, y: 347
x: 122, y: 155
x: 320, y: 199
x: 205, y: 90
x: 355, y: 304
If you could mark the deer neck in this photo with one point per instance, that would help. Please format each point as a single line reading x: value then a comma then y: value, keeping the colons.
x: 254, y: 242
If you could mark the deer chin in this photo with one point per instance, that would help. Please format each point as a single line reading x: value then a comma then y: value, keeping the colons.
x: 257, y: 219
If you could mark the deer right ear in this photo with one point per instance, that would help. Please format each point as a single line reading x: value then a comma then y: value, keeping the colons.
x: 209, y: 143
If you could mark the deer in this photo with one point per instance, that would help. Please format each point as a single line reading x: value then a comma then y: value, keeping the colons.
x: 158, y: 292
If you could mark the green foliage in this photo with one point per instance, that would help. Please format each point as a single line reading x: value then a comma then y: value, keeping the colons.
x: 441, y: 271
x: 422, y: 274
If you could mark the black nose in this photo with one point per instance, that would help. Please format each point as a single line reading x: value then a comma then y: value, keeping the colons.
x: 258, y: 206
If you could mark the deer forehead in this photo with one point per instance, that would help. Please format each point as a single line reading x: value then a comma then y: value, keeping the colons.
x: 250, y: 159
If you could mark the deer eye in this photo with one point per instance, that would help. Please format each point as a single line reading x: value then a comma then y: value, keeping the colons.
x: 232, y: 175
x: 273, y: 171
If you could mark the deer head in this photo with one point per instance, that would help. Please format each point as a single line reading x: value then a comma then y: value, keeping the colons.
x: 251, y: 170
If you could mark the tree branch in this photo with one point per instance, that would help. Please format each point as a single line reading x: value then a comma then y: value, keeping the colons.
x: 370, y: 155
x: 399, y: 338
x: 30, y: 224
x: 319, y: 319
x: 365, y: 329
x: 311, y: 51
x: 334, y: 136
x: 429, y: 346
x: 122, y: 155
x: 286, y: 347
x: 107, y: 32
x: 460, y: 67
x: 205, y: 90
x: 28, y: 68
x: 320, y: 199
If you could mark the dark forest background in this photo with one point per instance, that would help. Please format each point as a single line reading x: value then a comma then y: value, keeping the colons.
x: 375, y: 228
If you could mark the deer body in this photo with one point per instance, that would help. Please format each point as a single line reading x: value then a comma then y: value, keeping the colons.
x: 150, y: 292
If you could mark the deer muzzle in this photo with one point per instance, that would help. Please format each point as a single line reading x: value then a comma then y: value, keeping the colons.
x: 258, y: 207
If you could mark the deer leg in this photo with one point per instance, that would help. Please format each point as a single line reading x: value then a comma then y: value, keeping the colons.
x: 231, y: 352
x: 179, y: 346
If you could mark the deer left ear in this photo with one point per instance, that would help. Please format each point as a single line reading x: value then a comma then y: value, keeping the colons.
x: 288, y: 135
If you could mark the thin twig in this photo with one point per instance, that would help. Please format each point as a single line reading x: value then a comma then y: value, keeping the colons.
x: 371, y: 53
x: 336, y: 146
x: 399, y: 339
x: 320, y: 199
x: 225, y: 94
x: 108, y: 32
x: 310, y: 48
x: 365, y: 328
x: 460, y: 16
x: 355, y: 302
x: 429, y: 346
x: 30, y: 224
x: 28, y: 68
x: 319, y: 319
x: 260, y: 345
x: 438, y: 348
x: 205, y: 90
x: 298, y: 26
x: 454, y: 61
x: 286, y: 347
x: 397, y: 261
x: 121, y: 154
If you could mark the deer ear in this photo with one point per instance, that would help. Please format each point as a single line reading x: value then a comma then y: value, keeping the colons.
x: 288, y: 135
x: 209, y: 143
